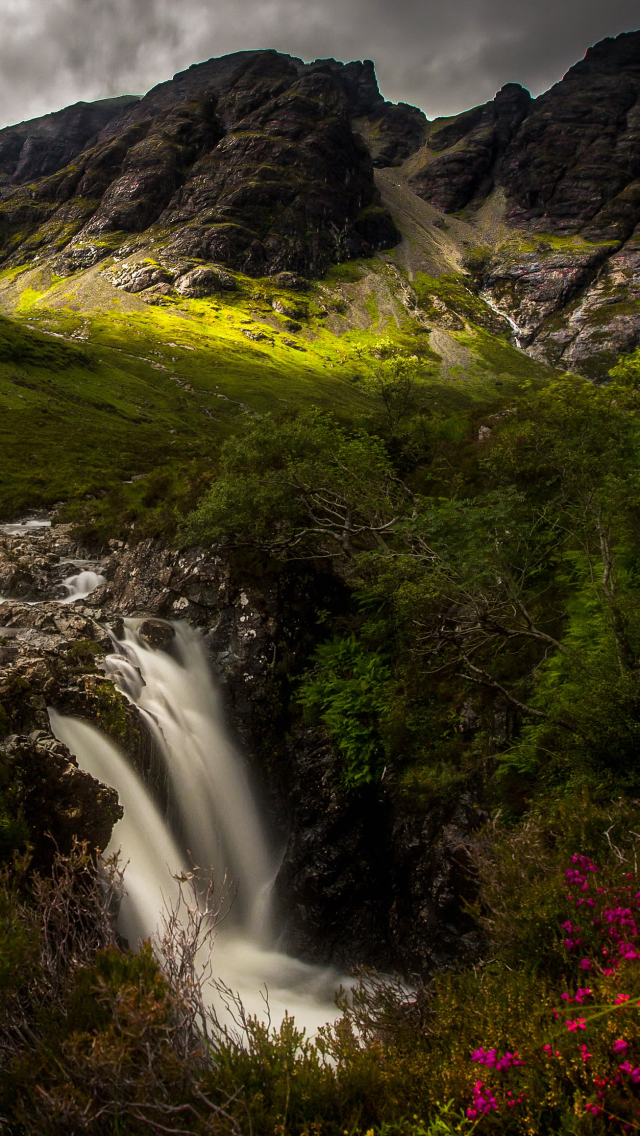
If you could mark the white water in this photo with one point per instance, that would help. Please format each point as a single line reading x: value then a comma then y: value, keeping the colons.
x: 516, y: 329
x: 214, y: 823
x: 28, y: 526
x: 81, y: 585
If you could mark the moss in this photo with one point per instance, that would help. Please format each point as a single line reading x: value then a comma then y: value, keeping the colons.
x: 349, y: 272
x: 111, y: 712
x: 371, y: 305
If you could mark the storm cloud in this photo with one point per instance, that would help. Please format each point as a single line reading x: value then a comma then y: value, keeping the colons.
x: 443, y: 57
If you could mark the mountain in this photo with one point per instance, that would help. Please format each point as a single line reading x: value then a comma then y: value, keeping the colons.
x: 562, y: 172
x: 260, y: 163
x: 251, y: 160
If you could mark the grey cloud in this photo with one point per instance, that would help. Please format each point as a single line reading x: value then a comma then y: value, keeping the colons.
x: 443, y: 56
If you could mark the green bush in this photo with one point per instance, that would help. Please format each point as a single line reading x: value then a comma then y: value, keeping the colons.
x: 349, y: 692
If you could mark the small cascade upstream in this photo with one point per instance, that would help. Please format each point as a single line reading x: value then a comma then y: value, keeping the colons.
x: 212, y: 821
x: 81, y: 585
x: 516, y: 329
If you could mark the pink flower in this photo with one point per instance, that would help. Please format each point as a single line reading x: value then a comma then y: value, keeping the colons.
x: 585, y: 964
x: 593, y: 1108
x: 585, y: 1053
x: 620, y: 998
x: 633, y: 1074
x: 484, y: 1056
x: 576, y: 1024
x: 620, y: 1045
x: 483, y: 1100
x: 582, y: 993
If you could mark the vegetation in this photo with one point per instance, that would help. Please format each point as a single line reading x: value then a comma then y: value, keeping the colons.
x: 485, y: 534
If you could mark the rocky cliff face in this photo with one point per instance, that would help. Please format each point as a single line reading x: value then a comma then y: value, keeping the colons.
x: 262, y: 164
x: 251, y: 160
x: 568, y: 167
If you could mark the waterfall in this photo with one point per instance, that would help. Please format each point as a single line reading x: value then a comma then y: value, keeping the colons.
x: 81, y: 585
x: 518, y: 332
x: 212, y: 821
x: 151, y: 854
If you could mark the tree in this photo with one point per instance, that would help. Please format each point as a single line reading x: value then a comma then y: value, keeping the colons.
x: 301, y: 487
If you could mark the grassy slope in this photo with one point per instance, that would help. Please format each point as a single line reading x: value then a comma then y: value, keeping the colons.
x: 134, y: 387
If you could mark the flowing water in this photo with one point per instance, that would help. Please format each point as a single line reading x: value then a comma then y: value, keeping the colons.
x: 81, y: 585
x: 212, y: 820
x: 516, y: 329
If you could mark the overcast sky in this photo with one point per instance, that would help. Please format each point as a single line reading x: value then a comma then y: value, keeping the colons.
x: 442, y: 55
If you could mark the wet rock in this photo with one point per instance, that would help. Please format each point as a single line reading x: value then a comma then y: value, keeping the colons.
x: 531, y: 286
x: 156, y: 633
x: 603, y: 322
x: 59, y: 802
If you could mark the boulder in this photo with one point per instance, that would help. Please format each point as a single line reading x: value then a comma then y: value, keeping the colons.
x: 205, y: 281
x: 58, y: 801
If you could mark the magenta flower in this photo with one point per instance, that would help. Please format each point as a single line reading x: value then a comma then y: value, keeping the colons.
x: 585, y: 964
x: 633, y: 1074
x: 620, y: 1045
x: 576, y: 1024
x: 483, y: 1101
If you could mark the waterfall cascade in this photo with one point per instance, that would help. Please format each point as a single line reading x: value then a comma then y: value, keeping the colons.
x: 81, y: 585
x: 212, y: 820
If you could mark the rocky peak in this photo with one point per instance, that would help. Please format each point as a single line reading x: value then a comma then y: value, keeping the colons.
x: 45, y: 145
x: 472, y: 145
x: 252, y: 160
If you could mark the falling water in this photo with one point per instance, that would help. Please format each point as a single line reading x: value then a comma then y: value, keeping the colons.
x: 212, y: 821
x: 150, y: 852
x: 81, y: 585
x: 516, y: 329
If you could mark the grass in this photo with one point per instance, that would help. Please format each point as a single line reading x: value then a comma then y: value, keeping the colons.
x: 111, y: 394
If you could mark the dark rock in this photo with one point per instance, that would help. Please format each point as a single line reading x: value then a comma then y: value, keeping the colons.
x: 156, y: 633
x: 473, y: 144
x: 205, y: 281
x: 290, y: 280
x: 59, y: 802
x: 364, y: 879
x: 577, y: 153
x: 250, y: 160
x: 45, y: 145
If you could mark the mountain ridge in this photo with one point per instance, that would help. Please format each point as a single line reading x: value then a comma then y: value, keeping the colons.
x: 260, y: 163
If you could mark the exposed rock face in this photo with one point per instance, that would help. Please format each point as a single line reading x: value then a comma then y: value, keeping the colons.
x: 250, y: 160
x: 573, y: 163
x: 59, y: 802
x: 45, y: 145
x: 568, y: 164
x: 604, y: 320
x: 472, y: 146
x: 569, y: 161
x: 364, y: 879
x: 532, y: 286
